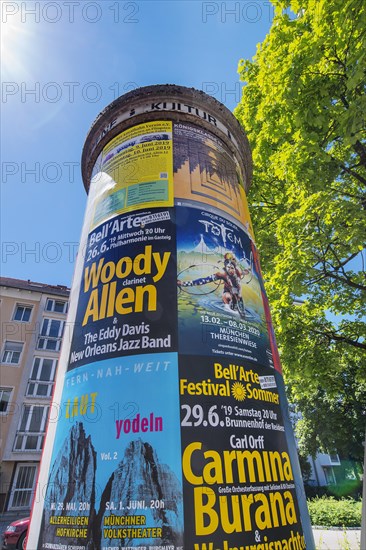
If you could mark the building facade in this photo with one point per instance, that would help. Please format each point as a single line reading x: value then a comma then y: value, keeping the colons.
x: 323, y: 469
x: 33, y: 322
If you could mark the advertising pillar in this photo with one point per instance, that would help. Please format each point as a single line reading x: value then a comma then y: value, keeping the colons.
x: 169, y: 426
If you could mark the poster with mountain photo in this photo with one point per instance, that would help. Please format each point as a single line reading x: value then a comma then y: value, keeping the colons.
x: 115, y: 476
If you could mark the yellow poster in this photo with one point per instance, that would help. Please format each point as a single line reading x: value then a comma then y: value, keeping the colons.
x: 136, y: 171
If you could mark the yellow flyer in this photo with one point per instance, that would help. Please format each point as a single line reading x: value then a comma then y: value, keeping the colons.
x: 136, y: 170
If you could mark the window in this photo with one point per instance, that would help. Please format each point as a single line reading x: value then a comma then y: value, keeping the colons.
x: 11, y: 353
x: 31, y: 429
x: 42, y: 377
x: 22, y: 313
x: 334, y: 458
x: 51, y: 334
x: 329, y: 475
x: 5, y: 394
x: 58, y: 306
x: 22, y: 491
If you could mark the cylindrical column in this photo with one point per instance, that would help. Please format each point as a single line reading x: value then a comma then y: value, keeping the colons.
x: 168, y: 427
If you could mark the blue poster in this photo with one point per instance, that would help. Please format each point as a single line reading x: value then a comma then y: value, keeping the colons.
x: 220, y: 304
x: 115, y: 478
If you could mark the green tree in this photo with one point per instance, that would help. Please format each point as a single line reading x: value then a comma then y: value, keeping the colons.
x: 303, y: 108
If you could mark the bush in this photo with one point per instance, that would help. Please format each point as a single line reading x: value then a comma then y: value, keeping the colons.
x: 329, y: 512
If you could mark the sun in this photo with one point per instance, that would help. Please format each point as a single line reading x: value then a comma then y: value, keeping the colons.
x: 16, y: 39
x: 9, y: 34
x: 238, y: 391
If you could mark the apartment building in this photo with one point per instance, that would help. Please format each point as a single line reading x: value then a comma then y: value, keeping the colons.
x: 33, y: 317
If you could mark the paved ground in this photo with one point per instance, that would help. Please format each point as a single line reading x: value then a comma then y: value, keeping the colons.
x: 334, y: 539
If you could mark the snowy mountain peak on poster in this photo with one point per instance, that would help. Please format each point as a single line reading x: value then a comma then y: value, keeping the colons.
x: 145, y: 488
x: 71, y: 486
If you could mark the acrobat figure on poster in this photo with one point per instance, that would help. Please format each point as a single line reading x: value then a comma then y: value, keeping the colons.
x: 231, y: 276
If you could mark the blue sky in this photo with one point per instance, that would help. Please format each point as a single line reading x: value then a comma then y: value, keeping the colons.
x: 62, y: 63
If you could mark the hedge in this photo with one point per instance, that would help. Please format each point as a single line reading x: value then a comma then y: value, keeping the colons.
x: 330, y: 512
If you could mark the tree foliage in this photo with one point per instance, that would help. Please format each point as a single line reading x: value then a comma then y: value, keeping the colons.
x: 303, y: 108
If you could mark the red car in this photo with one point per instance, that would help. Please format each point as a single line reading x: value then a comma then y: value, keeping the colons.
x: 15, y: 535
